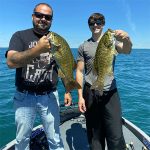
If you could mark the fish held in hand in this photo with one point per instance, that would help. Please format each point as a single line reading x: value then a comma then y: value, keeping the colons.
x: 103, y: 61
x: 64, y: 59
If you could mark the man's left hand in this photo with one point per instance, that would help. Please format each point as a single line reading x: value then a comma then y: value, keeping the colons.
x: 121, y: 35
x: 67, y: 99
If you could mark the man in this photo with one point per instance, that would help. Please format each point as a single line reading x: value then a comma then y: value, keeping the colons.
x: 103, y: 113
x: 36, y: 80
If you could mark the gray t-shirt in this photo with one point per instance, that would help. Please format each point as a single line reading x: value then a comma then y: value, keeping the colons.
x: 86, y: 53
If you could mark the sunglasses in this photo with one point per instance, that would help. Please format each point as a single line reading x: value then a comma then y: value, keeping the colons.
x: 40, y: 16
x: 92, y: 23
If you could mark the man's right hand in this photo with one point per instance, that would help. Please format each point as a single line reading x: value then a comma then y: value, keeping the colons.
x: 81, y: 105
x: 43, y: 45
x: 17, y: 59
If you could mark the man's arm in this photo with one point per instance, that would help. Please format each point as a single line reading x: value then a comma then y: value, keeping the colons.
x: 17, y: 59
x: 125, y: 44
x: 67, y: 96
x: 79, y: 79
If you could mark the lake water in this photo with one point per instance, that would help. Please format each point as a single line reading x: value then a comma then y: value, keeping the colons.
x: 133, y: 80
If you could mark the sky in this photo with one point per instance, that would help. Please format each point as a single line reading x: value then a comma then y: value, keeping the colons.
x: 70, y: 18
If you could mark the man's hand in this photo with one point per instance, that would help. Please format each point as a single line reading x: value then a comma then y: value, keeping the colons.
x: 81, y: 105
x: 17, y: 59
x: 121, y: 35
x: 67, y: 99
x: 43, y: 45
x: 125, y: 44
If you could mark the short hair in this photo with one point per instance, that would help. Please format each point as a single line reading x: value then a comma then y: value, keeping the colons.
x: 97, y: 16
x: 34, y: 10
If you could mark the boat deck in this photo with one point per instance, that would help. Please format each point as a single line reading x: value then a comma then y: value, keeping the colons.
x: 73, y: 133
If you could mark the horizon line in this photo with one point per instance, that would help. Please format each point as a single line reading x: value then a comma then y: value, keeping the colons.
x: 77, y: 48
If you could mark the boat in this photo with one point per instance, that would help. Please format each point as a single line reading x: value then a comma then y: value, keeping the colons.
x: 73, y: 132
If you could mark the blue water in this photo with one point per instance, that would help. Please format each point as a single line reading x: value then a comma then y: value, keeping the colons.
x: 133, y: 80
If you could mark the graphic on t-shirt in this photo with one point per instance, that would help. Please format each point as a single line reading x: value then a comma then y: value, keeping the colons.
x: 37, y: 67
x: 36, y: 70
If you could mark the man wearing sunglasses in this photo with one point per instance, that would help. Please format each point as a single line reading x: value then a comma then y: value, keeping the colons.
x: 102, y: 112
x: 36, y: 80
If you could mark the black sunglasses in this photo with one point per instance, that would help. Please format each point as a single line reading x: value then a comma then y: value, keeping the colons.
x: 40, y: 16
x: 98, y: 22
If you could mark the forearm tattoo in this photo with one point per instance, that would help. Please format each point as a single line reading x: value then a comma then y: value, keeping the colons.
x: 21, y: 58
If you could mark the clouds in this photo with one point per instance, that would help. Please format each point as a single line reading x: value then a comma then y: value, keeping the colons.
x: 130, y: 21
x: 138, y: 24
x: 128, y: 14
x: 71, y: 21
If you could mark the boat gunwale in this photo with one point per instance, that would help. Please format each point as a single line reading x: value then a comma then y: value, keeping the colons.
x: 142, y: 136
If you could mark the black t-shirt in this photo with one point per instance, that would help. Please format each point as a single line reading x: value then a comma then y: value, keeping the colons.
x: 40, y: 73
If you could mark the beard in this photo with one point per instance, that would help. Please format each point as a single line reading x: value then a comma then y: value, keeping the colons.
x: 41, y: 28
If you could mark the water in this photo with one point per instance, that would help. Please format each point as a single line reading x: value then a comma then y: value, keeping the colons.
x: 133, y: 80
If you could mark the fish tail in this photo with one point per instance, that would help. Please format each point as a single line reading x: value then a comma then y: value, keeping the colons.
x: 71, y: 85
x: 98, y: 87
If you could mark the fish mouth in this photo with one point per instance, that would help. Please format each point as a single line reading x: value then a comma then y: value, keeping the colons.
x: 57, y: 45
x: 112, y: 39
x: 112, y: 31
x: 111, y: 42
x: 51, y: 38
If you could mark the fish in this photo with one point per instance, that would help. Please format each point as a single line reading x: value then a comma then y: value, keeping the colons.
x: 103, y: 60
x: 63, y: 56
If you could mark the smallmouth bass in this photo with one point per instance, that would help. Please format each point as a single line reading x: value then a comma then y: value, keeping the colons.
x: 64, y: 59
x: 103, y: 61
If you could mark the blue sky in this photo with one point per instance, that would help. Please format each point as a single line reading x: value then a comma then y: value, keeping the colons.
x: 70, y: 18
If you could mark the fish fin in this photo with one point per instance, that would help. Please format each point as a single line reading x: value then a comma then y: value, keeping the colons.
x: 115, y: 52
x: 98, y: 87
x: 94, y: 71
x: 71, y: 84
x: 59, y: 49
x: 110, y: 74
x: 56, y: 50
x: 48, y: 35
x: 100, y: 92
x: 60, y: 73
x: 112, y: 31
x: 74, y: 65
